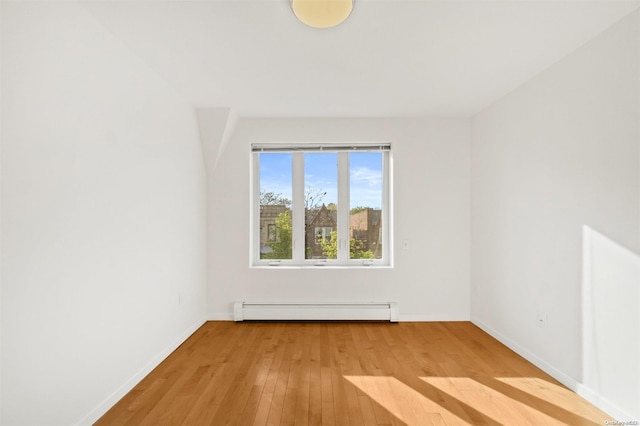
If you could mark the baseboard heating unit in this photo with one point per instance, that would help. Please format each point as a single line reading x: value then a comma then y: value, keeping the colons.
x: 387, y: 311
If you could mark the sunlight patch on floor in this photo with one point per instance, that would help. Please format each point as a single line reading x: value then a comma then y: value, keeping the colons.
x: 496, y: 403
x: 405, y: 403
x: 539, y: 387
x: 549, y: 392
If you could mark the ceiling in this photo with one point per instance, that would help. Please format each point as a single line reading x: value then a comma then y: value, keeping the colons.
x: 390, y: 58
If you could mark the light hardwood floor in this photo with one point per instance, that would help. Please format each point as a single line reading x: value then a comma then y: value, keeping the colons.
x: 335, y: 373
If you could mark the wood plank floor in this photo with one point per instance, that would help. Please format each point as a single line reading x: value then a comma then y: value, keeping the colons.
x: 336, y: 373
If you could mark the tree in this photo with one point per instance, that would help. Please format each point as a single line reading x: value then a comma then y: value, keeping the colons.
x: 357, y: 209
x: 281, y: 248
x: 356, y: 248
x: 313, y: 198
x: 273, y: 199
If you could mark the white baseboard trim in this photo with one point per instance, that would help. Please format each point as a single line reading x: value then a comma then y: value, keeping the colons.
x: 614, y: 411
x: 105, y: 405
x: 432, y: 318
x: 611, y: 409
x: 563, y: 378
x: 217, y: 316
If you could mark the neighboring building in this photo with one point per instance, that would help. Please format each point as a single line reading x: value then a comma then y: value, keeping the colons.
x: 319, y: 223
x: 268, y: 230
x: 365, y: 226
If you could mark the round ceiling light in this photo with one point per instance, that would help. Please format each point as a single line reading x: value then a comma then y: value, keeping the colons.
x: 322, y: 13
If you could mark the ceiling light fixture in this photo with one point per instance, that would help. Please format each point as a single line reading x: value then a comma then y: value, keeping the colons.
x: 322, y: 13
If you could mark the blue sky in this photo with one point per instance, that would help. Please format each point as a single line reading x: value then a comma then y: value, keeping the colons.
x: 321, y: 172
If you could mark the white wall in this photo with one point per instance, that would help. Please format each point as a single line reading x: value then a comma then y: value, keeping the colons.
x: 561, y: 152
x: 430, y: 280
x: 103, y: 217
x: 611, y: 325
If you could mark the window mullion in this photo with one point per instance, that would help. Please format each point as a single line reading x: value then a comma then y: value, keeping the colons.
x: 298, y: 213
x: 387, y: 214
x: 255, y: 207
x: 343, y: 206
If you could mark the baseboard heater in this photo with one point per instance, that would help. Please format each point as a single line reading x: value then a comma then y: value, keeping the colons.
x: 387, y: 311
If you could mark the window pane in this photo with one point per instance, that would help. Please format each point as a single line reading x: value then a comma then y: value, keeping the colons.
x: 275, y: 206
x: 321, y: 205
x: 365, y: 211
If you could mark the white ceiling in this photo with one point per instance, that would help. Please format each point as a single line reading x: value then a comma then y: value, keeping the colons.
x: 390, y: 58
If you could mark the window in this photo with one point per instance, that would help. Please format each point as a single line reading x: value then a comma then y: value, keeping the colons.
x: 323, y: 234
x: 321, y: 205
x: 271, y: 229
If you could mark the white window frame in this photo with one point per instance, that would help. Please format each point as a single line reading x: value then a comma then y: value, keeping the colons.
x: 298, y: 211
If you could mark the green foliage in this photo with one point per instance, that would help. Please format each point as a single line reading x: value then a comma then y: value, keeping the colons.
x: 330, y: 246
x: 357, y: 251
x: 356, y: 248
x: 281, y: 248
x: 357, y: 209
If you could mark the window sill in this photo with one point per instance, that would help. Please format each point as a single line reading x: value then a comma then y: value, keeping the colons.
x: 276, y: 267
